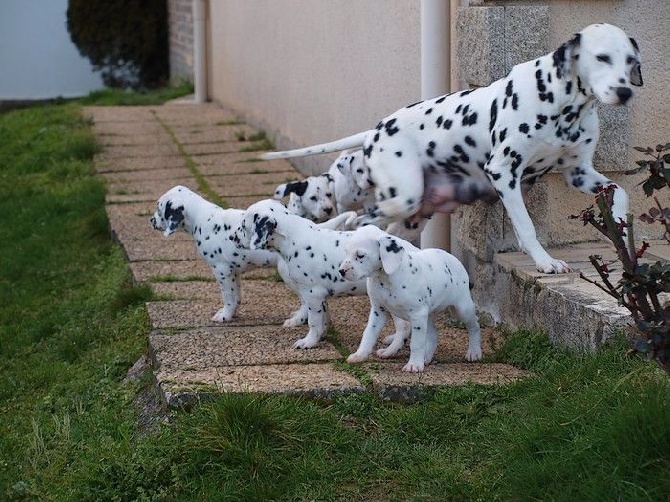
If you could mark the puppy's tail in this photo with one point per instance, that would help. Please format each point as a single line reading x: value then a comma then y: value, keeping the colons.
x: 334, y: 146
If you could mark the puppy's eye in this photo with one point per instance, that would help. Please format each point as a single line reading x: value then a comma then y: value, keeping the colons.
x: 359, y: 170
x: 360, y: 256
x: 604, y: 58
x: 313, y: 197
x: 630, y: 60
x: 329, y: 194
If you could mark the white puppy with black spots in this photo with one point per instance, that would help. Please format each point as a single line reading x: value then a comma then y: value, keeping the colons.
x: 352, y: 187
x: 211, y: 228
x: 412, y: 284
x: 494, y: 142
x: 309, y: 258
x: 311, y: 198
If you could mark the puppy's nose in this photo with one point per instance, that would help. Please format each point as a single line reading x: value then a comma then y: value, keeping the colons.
x: 624, y: 94
x: 153, y: 222
x: 328, y: 210
x: 342, y: 272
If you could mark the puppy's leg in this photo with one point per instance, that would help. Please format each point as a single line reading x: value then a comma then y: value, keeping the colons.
x: 376, y: 321
x: 298, y: 317
x: 417, y: 344
x: 229, y: 284
x: 317, y: 319
x: 465, y: 311
x: 397, y: 339
x: 431, y: 340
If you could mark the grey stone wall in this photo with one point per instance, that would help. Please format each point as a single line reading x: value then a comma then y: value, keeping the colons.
x: 180, y: 15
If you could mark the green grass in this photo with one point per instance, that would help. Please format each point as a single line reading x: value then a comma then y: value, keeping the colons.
x: 136, y: 98
x: 591, y: 427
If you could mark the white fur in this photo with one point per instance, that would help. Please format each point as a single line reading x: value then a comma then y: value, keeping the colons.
x: 412, y: 284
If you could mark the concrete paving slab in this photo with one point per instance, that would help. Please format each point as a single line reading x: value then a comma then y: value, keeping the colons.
x: 205, y: 348
x: 189, y: 313
x: 139, y: 151
x: 152, y: 249
x: 148, y: 271
x: 129, y: 177
x: 138, y: 164
x: 119, y: 113
x: 185, y: 388
x: 212, y: 133
x: 155, y: 137
x: 244, y: 201
x: 131, y: 222
x: 206, y: 159
x: 136, y: 191
x: 195, y: 115
x: 219, y: 147
x: 263, y: 185
x: 213, y: 168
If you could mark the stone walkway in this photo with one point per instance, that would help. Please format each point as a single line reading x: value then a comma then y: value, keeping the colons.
x: 148, y: 150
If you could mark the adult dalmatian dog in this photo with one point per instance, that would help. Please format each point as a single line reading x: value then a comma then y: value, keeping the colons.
x: 494, y: 142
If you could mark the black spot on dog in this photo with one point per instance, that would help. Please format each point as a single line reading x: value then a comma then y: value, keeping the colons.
x: 440, y: 100
x: 494, y: 114
x: 398, y: 154
x: 414, y: 104
x: 447, y: 124
x: 393, y: 247
x: 470, y: 120
x: 439, y: 120
x: 429, y: 111
x: 470, y: 142
x: 524, y: 128
x: 391, y: 128
x: 509, y: 89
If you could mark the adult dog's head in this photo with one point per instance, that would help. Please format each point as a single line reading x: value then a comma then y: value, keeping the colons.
x: 603, y: 60
x: 370, y: 250
x: 169, y: 215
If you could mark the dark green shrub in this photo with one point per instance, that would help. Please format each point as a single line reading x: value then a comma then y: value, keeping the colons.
x: 126, y: 40
x: 642, y: 285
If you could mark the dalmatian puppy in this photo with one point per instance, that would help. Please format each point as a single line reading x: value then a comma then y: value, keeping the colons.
x: 352, y: 186
x: 311, y: 198
x: 412, y: 284
x: 494, y: 142
x: 309, y: 257
x: 211, y: 228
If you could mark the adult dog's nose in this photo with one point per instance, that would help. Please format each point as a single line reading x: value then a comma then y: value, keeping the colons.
x: 624, y: 94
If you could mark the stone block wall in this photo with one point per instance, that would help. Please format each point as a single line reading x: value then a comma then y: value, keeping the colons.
x: 180, y: 19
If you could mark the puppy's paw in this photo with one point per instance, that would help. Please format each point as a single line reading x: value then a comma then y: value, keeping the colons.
x: 387, y: 352
x: 223, y: 315
x: 411, y: 367
x: 356, y: 358
x: 389, y: 339
x: 473, y: 354
x: 305, y: 343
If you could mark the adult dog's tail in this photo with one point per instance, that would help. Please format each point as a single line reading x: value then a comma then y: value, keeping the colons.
x: 334, y: 146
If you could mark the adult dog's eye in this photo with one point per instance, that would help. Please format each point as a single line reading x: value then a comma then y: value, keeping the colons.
x: 604, y: 58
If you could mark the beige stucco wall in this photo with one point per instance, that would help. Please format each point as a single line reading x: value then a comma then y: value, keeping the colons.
x: 309, y: 71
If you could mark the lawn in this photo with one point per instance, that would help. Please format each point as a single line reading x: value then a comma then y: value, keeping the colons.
x: 72, y: 323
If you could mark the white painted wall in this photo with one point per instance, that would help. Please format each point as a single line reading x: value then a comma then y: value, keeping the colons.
x: 37, y: 58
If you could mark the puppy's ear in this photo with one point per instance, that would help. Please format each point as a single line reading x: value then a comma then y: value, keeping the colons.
x: 563, y: 56
x: 174, y: 216
x: 636, y: 70
x: 296, y: 187
x: 390, y: 253
x: 264, y: 229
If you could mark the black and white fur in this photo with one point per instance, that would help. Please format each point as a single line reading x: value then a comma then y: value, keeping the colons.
x: 412, y: 284
x: 494, y: 142
x: 211, y: 228
x: 352, y: 186
x: 309, y: 257
x: 311, y: 197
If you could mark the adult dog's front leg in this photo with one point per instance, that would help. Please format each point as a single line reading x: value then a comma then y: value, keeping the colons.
x: 525, y: 233
x: 587, y: 180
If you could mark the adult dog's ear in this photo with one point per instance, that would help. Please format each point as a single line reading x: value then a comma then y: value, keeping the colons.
x: 636, y: 70
x: 264, y: 229
x: 564, y: 55
x: 390, y: 253
x: 174, y: 216
x: 296, y: 187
